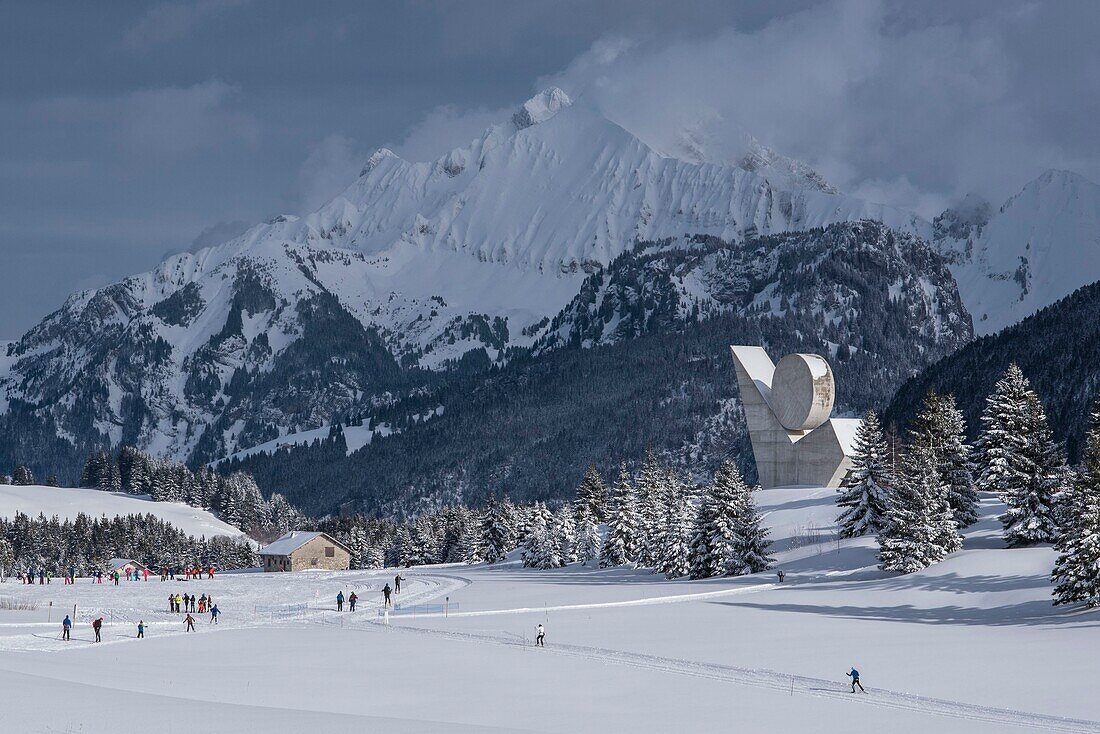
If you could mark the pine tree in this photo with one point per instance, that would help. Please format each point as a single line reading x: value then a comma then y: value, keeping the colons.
x: 22, y: 476
x: 591, y: 496
x: 496, y: 538
x: 1076, y: 574
x: 920, y: 526
x: 1031, y: 516
x: 754, y: 543
x: 621, y: 545
x: 676, y: 514
x: 863, y: 491
x: 716, y: 546
x: 565, y: 535
x: 939, y: 428
x: 1001, y: 444
x: 648, y: 487
x: 589, y: 542
x: 540, y: 549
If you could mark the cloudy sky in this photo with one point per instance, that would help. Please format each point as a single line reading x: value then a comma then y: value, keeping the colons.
x: 129, y: 130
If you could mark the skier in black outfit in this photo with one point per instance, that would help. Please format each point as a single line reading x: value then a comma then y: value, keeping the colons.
x: 397, y: 584
x: 97, y: 625
x: 540, y: 637
x: 386, y: 591
x: 854, y: 675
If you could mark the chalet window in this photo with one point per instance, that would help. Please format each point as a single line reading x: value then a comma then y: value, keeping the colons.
x: 330, y: 552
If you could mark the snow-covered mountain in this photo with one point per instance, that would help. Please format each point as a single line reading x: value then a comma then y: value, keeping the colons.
x: 412, y: 266
x: 1041, y: 245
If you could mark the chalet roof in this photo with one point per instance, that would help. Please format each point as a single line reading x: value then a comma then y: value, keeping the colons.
x: 294, y: 540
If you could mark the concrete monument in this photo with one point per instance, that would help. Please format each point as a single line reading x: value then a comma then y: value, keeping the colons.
x: 788, y: 408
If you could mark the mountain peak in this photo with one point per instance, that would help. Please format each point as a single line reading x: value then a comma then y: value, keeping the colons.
x: 541, y: 108
x: 377, y: 157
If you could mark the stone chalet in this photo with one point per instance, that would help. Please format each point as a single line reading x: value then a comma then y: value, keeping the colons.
x: 299, y: 550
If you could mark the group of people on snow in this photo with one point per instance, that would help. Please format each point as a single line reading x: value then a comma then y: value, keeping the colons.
x: 387, y: 595
x: 188, y: 603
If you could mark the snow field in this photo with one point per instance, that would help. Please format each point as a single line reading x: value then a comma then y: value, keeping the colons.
x: 969, y: 645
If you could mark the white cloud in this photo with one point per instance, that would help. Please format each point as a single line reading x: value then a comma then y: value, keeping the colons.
x: 330, y: 167
x: 910, y: 111
x: 445, y: 128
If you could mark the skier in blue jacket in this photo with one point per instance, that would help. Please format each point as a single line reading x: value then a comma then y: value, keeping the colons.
x: 66, y: 627
x: 854, y: 675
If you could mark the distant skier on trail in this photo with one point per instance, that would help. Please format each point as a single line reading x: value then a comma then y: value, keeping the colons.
x: 190, y: 622
x: 397, y: 583
x: 339, y: 601
x: 854, y: 675
x: 781, y: 575
x: 214, y: 612
x: 540, y: 637
x: 66, y: 627
x: 386, y: 601
x: 141, y: 629
x: 352, y: 599
x: 97, y: 625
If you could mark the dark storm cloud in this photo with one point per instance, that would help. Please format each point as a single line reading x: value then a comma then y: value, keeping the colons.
x: 130, y: 130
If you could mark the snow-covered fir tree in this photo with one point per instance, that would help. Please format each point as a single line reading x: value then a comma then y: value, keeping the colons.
x: 862, y: 494
x: 752, y: 534
x: 728, y: 539
x: 22, y: 476
x: 564, y: 532
x: 496, y: 536
x: 939, y: 428
x: 647, y: 490
x: 1003, y: 436
x: 919, y: 528
x: 1076, y: 574
x: 591, y: 496
x: 621, y: 544
x: 540, y: 548
x: 1030, y: 516
x: 468, y: 548
x: 676, y: 521
x: 589, y: 543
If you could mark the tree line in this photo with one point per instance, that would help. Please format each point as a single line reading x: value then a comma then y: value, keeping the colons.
x: 916, y: 498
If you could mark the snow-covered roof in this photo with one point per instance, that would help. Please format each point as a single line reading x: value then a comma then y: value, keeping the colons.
x: 294, y: 540
x: 845, y: 429
x: 121, y: 562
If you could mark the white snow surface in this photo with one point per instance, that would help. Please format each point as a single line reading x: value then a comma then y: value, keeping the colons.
x: 969, y: 645
x: 66, y: 503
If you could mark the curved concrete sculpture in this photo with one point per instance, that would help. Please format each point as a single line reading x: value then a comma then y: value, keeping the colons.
x: 787, y: 408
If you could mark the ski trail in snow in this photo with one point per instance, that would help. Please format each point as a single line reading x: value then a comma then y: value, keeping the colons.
x: 786, y: 682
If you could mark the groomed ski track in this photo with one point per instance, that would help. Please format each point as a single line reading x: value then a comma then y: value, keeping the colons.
x: 757, y: 678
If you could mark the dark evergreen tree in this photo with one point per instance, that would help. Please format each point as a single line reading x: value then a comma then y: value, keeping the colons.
x: 1031, y: 516
x: 496, y: 537
x: 863, y: 492
x: 621, y: 545
x: 1076, y: 574
x: 22, y: 475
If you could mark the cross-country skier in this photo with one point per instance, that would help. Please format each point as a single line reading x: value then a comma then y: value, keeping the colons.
x: 141, y: 629
x: 854, y: 675
x: 190, y: 622
x: 339, y: 601
x: 214, y: 612
x: 540, y: 637
x: 97, y: 625
x: 386, y: 601
x: 352, y: 599
x: 781, y: 574
x: 397, y: 583
x: 66, y: 627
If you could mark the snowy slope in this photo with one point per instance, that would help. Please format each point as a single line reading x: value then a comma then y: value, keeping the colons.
x: 953, y: 648
x: 67, y: 503
x: 1041, y: 245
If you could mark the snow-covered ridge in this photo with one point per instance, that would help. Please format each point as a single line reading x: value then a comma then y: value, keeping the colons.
x: 1040, y: 245
x: 67, y: 503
